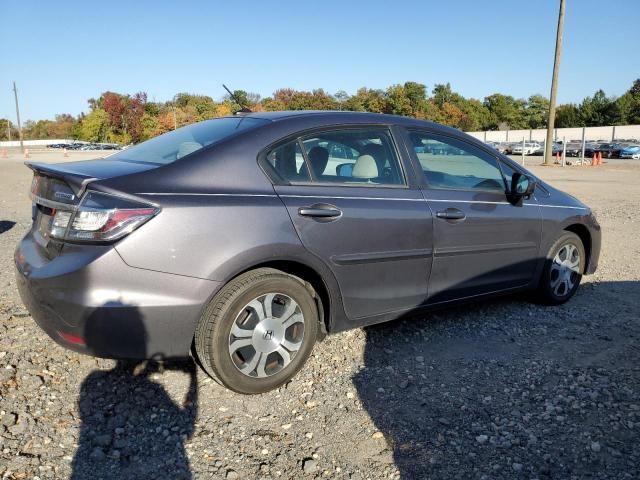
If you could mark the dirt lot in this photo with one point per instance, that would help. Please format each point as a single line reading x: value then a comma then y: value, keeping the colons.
x: 502, y: 389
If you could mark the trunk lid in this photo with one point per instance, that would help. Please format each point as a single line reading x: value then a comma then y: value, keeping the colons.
x: 77, y: 175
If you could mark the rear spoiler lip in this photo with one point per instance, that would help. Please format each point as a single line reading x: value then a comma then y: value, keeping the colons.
x: 76, y: 181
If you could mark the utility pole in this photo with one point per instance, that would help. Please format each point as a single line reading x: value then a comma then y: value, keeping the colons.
x: 9, y: 129
x: 554, y: 87
x: 15, y: 94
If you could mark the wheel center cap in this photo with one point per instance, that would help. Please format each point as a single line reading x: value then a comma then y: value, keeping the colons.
x: 268, y: 335
x: 566, y: 271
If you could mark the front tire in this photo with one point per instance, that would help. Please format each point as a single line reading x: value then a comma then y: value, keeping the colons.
x: 563, y: 270
x: 258, y: 331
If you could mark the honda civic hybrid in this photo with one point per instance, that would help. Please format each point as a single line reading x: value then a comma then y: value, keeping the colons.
x: 243, y: 240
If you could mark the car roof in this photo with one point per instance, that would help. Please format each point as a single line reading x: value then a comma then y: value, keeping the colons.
x: 331, y: 116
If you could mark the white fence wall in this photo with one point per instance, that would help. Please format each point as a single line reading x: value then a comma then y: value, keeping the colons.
x: 606, y: 134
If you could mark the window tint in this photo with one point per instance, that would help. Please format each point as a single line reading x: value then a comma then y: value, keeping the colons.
x: 179, y: 143
x: 349, y: 156
x: 450, y: 163
x: 288, y: 161
x: 507, y: 173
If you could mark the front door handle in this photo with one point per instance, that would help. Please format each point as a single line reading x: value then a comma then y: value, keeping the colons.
x: 451, y: 214
x: 324, y: 212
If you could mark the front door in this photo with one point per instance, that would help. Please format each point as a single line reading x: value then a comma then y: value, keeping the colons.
x: 482, y: 242
x: 352, y: 207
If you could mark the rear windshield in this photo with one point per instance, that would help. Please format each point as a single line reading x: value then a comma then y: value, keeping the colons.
x: 174, y: 145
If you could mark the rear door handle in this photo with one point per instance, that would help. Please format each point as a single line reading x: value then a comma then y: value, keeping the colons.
x: 324, y: 212
x: 451, y: 214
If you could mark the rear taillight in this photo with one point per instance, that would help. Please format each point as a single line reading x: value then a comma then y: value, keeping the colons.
x: 101, y: 218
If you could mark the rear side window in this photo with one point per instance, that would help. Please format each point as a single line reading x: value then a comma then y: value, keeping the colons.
x: 351, y: 157
x: 449, y: 163
x: 172, y: 146
x: 288, y: 161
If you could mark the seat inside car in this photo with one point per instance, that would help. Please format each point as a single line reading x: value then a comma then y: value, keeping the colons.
x: 285, y: 164
x: 365, y: 168
x: 319, y: 158
x: 378, y: 153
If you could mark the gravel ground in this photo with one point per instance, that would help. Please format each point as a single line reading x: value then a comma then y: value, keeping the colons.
x: 501, y: 389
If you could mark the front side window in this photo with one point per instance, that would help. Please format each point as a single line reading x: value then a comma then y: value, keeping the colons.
x: 449, y: 163
x: 364, y: 157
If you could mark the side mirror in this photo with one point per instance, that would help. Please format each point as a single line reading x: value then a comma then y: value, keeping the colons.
x: 522, y: 186
x: 345, y: 169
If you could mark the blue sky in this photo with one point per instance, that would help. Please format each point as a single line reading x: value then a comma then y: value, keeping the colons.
x: 62, y: 53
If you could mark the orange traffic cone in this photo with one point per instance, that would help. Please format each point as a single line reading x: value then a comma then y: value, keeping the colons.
x: 594, y: 160
x: 65, y: 154
x: 599, y: 158
x: 557, y: 157
x: 4, y: 153
x: 26, y: 153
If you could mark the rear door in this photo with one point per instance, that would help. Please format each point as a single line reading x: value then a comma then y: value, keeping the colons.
x: 482, y: 242
x: 349, y: 199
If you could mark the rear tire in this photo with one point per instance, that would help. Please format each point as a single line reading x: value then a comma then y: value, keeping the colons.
x: 258, y: 331
x: 562, y: 271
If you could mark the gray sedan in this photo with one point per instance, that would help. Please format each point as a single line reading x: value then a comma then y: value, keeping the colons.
x: 245, y: 239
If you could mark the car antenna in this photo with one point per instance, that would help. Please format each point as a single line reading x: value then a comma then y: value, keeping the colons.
x: 243, y: 109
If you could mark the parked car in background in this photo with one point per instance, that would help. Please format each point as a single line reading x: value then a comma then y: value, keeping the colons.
x: 86, y: 146
x: 606, y: 149
x: 590, y: 149
x: 617, y: 149
x: 503, y: 148
x: 631, y: 151
x: 530, y: 148
x: 573, y: 149
x: 555, y: 149
x: 251, y: 236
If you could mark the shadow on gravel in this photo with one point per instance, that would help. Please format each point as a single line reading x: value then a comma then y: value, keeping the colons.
x: 510, y: 389
x: 131, y: 428
x: 6, y: 225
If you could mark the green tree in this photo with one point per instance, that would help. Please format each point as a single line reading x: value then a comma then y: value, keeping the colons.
x: 430, y: 111
x: 8, y: 128
x: 95, y: 126
x: 397, y: 101
x: 598, y: 110
x: 416, y: 93
x: 568, y: 115
x: 341, y: 97
x: 505, y: 111
x: 536, y: 111
x: 367, y: 100
x: 273, y: 105
x: 451, y: 115
x: 442, y: 94
x: 476, y: 115
x: 628, y: 105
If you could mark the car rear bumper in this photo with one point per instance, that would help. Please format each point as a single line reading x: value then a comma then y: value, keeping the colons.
x: 88, y: 300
